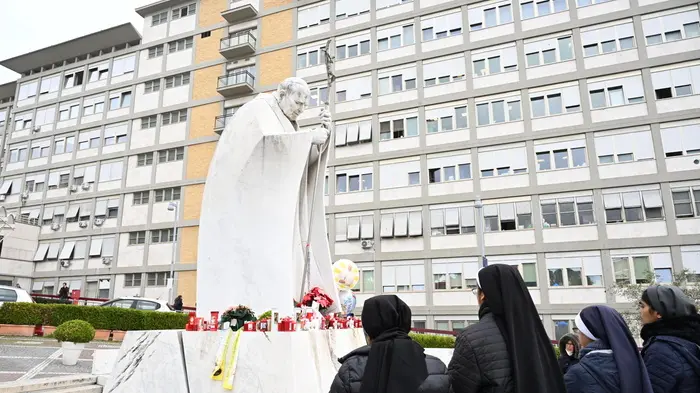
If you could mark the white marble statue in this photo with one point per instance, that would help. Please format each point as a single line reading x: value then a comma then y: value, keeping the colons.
x: 256, y: 208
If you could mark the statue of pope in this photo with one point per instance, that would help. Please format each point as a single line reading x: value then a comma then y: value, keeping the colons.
x: 256, y: 209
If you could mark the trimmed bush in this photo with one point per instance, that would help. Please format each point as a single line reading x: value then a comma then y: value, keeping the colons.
x: 107, y: 318
x: 47, y: 300
x: 75, y: 332
x: 433, y: 340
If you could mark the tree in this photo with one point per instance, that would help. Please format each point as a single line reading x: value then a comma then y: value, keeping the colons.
x: 685, y: 280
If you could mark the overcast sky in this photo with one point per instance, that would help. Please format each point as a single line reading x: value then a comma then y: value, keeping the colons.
x: 28, y: 25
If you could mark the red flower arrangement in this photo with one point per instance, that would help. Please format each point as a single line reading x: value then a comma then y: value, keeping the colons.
x: 317, y: 295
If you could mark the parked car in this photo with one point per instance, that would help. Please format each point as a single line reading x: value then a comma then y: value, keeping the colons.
x: 14, y: 295
x: 139, y: 303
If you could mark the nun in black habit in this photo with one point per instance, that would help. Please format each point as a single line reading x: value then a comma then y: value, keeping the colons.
x: 508, y: 350
x: 610, y: 361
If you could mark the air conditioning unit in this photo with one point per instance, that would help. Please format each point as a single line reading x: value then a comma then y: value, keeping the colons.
x: 2, y: 197
x: 37, y: 129
x: 85, y: 186
x: 65, y: 263
x: 73, y: 188
x: 106, y: 260
x: 367, y: 244
x: 55, y: 226
x: 83, y: 224
x: 99, y: 221
x: 25, y: 194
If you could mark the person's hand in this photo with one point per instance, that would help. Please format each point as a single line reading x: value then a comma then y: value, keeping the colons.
x: 319, y: 136
x: 326, y: 120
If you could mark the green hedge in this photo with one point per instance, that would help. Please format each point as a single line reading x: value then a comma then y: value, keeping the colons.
x: 433, y: 340
x: 48, y: 300
x: 107, y: 318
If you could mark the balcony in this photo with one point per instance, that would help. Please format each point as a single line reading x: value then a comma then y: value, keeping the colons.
x: 239, y: 10
x: 220, y: 122
x: 235, y: 84
x: 238, y: 45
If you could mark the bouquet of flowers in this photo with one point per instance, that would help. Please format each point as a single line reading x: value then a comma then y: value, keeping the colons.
x: 240, y: 315
x: 317, y: 295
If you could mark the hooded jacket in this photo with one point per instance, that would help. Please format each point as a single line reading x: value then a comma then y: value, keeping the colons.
x: 596, y: 372
x: 352, y: 369
x: 566, y: 361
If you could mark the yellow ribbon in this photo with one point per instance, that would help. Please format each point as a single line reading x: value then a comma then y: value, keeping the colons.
x: 230, y: 366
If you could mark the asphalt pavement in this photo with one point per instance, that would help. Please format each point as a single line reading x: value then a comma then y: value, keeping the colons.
x: 23, y: 358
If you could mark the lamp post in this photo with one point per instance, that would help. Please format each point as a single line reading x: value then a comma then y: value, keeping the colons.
x: 173, y: 206
x: 481, y: 228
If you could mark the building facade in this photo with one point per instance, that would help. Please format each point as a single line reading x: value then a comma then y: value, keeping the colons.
x: 575, y: 123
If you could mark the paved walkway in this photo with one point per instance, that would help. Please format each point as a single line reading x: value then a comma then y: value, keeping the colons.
x: 24, y: 358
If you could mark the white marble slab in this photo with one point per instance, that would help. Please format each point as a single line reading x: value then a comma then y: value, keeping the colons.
x: 103, y: 361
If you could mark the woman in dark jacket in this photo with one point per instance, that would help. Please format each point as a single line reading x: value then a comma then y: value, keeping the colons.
x: 392, y: 362
x: 610, y: 361
x: 508, y: 351
x: 568, y: 352
x: 671, y: 335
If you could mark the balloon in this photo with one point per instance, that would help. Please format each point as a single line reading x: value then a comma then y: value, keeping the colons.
x: 345, y: 274
x: 350, y: 302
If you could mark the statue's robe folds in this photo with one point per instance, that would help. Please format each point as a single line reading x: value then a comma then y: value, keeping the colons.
x: 255, y: 215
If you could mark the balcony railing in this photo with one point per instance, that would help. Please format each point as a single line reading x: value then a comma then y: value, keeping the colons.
x: 244, y: 37
x: 220, y: 122
x: 236, y: 78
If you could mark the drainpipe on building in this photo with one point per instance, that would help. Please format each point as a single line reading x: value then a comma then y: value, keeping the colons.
x: 481, y: 227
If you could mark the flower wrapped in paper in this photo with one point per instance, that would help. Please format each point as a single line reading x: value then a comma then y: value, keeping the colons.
x: 319, y: 297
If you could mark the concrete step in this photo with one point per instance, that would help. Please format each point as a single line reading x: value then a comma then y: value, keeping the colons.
x: 49, y: 384
x: 75, y: 389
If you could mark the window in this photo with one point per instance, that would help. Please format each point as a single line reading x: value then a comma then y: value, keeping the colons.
x: 68, y: 111
x: 366, y: 282
x: 44, y: 116
x: 312, y: 57
x: 395, y: 37
x: 403, y: 278
x: 35, y: 183
x: 141, y: 198
x: 455, y: 275
x: 681, y: 140
x: 93, y: 105
x: 398, y: 128
x: 89, y: 139
x: 549, y: 51
x: 162, y: 236
x: 616, y: 92
x: 18, y: 154
x: 158, y: 279
x: 155, y: 51
x: 443, y: 71
x: 115, y: 134
x: 677, y: 82
x: 174, y: 117
x: 159, y: 19
x: 313, y: 16
x: 120, y: 100
x: 152, y: 86
x: 503, y: 162
x: 49, y: 84
x: 353, y: 133
x: 132, y: 280
x: 490, y: 62
x: 532, y: 9
x: 111, y: 171
x: 563, y: 156
x: 507, y: 216
x: 144, y: 159
x: 498, y: 111
x: 397, y: 81
x: 27, y: 90
x: 349, y: 8
x: 567, y: 211
x: 483, y: 18
x: 180, y: 45
x: 686, y: 201
x: 624, y: 147
x: 167, y: 194
x: 184, y: 11
x: 351, y: 183
x: 641, y: 269
x: 23, y: 121
x: 177, y: 80
x: 452, y: 221
x: 449, y: 173
x: 354, y: 89
x: 171, y: 155
x: 149, y: 122
x: 124, y: 65
x: 40, y: 149
x: 138, y: 237
x: 318, y: 96
x: 555, y: 101
x: 64, y: 144
x: 437, y: 27
x: 598, y: 41
x: 82, y: 175
x: 351, y: 46
x: 98, y: 72
x: 73, y: 79
x: 354, y: 228
x: 633, y: 206
x: 446, y: 119
x: 672, y: 27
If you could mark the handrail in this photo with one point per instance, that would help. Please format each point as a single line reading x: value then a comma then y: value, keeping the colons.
x: 222, y: 121
x: 242, y: 37
x: 236, y: 78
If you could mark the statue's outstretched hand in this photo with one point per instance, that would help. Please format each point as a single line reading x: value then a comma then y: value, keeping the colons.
x: 319, y: 136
